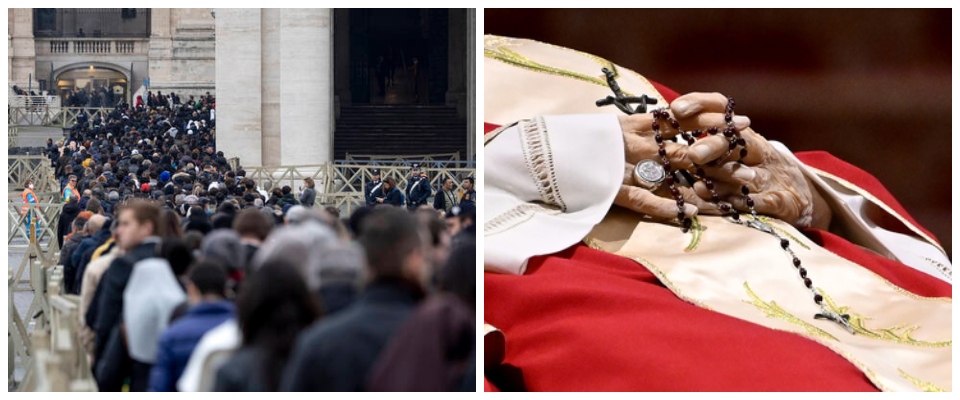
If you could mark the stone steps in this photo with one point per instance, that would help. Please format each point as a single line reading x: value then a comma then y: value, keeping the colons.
x: 398, y: 130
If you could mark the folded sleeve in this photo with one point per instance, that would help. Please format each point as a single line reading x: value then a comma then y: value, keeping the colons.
x: 548, y: 181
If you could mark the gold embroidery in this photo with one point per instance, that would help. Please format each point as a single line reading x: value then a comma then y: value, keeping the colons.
x: 922, y: 385
x: 511, y: 57
x: 697, y: 231
x: 772, y: 310
x: 897, y: 334
x: 769, y: 221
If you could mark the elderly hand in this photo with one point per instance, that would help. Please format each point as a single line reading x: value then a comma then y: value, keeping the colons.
x: 776, y: 183
x: 639, y: 143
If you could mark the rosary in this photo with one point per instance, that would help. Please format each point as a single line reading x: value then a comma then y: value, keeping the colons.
x: 653, y: 172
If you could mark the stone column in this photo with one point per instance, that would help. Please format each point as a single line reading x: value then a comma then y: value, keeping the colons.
x: 341, y: 57
x: 238, y: 77
x: 270, y: 84
x: 471, y: 41
x: 23, y: 51
x: 306, y: 86
x: 160, y: 58
x: 456, y: 59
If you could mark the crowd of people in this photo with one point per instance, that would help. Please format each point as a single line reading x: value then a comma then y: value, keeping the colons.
x: 193, y: 278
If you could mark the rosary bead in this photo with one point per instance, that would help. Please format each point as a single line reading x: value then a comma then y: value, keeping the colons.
x: 680, y: 202
x: 749, y: 202
x: 666, y: 166
x: 679, y: 215
x: 728, y: 118
x: 714, y: 198
x: 724, y: 207
x: 674, y: 123
x: 728, y: 132
x: 655, y: 114
x: 732, y: 145
x: 687, y: 224
x: 807, y: 282
x: 745, y: 190
x: 709, y: 184
x: 690, y: 140
x: 656, y: 126
x: 735, y: 216
x: 742, y: 142
x: 817, y: 298
x: 784, y: 243
x: 669, y: 180
x: 713, y: 130
x: 803, y: 273
x: 674, y: 191
x: 796, y: 262
x: 658, y: 138
x: 662, y: 151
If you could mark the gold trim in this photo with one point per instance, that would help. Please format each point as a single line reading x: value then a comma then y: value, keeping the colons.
x: 879, y: 203
x: 696, y: 229
x: 922, y: 385
x: 662, y: 276
x: 515, y: 59
x: 897, y: 334
x: 773, y: 310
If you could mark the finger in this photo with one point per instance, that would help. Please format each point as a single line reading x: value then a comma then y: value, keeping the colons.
x: 737, y: 174
x: 642, y: 125
x: 704, y: 121
x: 719, y: 148
x: 645, y: 202
x: 628, y: 174
x: 704, y: 206
x: 644, y: 148
x: 694, y: 103
x: 770, y: 203
x: 722, y: 191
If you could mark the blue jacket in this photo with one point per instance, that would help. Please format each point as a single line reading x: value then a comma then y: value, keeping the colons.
x: 178, y: 341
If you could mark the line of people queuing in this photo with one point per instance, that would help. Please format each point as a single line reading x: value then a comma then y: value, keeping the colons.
x: 193, y: 278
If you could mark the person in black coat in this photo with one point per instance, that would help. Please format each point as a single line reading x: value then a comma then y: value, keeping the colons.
x: 338, y: 352
x: 70, y: 211
x: 389, y: 194
x: 418, y: 188
x: 136, y: 233
x: 372, y: 187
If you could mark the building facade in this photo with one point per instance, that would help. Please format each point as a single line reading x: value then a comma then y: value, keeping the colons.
x: 164, y: 49
x: 293, y: 86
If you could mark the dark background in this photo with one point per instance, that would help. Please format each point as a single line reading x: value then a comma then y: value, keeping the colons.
x: 872, y: 87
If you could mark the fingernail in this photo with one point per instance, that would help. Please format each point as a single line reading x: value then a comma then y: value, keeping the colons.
x: 744, y: 173
x: 680, y: 108
x: 690, y: 210
x: 699, y: 153
x: 741, y: 122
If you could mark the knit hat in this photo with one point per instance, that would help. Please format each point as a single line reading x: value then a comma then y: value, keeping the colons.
x: 145, y: 187
x: 164, y: 176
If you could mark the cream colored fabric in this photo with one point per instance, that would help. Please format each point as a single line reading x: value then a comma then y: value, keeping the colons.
x: 731, y: 261
x: 536, y: 205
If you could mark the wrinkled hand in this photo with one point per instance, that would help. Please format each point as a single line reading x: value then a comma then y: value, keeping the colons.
x: 776, y: 182
x: 639, y: 143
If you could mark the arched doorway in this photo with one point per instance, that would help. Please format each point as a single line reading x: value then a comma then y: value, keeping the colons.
x: 92, y: 85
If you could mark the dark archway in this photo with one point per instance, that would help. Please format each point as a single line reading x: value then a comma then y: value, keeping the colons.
x: 396, y: 56
x: 104, y: 85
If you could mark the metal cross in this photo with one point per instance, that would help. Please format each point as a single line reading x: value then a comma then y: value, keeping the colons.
x: 622, y: 101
